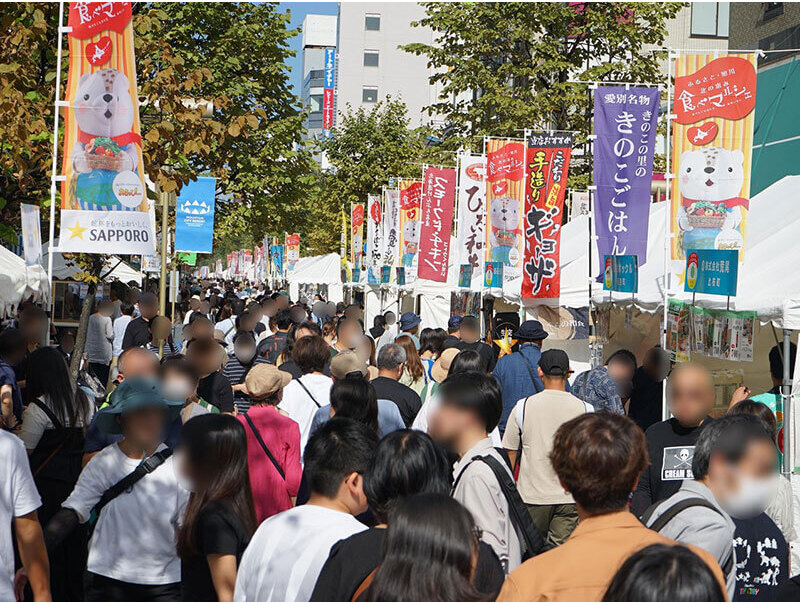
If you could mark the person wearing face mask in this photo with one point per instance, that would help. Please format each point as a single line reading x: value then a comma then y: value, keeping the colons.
x: 734, y: 477
x: 239, y: 364
x: 605, y: 387
x: 671, y: 443
x: 179, y: 381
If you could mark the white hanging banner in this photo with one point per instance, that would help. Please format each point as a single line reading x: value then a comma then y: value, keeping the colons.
x: 31, y: 234
x: 472, y: 215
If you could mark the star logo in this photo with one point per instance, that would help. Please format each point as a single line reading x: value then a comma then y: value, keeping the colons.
x: 505, y: 344
x: 76, y: 232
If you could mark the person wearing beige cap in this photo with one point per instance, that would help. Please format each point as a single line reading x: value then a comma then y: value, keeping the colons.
x: 273, y: 442
x: 194, y: 306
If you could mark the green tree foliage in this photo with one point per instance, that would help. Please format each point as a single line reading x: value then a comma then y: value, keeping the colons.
x: 511, y: 65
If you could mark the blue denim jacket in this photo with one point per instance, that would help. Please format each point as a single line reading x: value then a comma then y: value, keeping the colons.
x: 515, y: 379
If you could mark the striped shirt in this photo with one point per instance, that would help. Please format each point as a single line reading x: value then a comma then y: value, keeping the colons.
x: 235, y: 371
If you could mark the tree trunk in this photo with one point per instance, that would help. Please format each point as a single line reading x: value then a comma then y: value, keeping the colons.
x: 83, y: 324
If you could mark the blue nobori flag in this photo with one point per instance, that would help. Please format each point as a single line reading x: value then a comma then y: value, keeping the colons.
x: 194, y: 220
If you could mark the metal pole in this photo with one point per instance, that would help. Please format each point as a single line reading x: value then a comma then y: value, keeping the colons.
x: 667, y: 228
x: 593, y: 356
x: 162, y: 286
x: 786, y: 395
x: 54, y: 168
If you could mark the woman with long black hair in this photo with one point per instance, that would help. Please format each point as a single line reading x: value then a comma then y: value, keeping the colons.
x: 54, y: 430
x: 220, y: 517
x: 430, y: 553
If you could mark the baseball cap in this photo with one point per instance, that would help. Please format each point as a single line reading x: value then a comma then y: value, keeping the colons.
x: 195, y: 297
x: 345, y: 363
x: 555, y: 363
x: 454, y: 322
x: 264, y: 380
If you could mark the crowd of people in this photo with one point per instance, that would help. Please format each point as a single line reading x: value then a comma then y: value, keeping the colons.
x: 247, y: 447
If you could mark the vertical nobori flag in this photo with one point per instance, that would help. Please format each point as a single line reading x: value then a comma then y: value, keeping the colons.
x: 548, y: 157
x: 436, y: 215
x: 194, y: 221
x: 410, y: 199
x: 104, y: 208
x: 472, y: 214
x: 356, y: 233
x: 625, y: 125
x: 505, y: 197
x: 292, y: 250
x: 711, y: 151
x: 276, y: 251
x: 375, y: 243
x: 391, y: 226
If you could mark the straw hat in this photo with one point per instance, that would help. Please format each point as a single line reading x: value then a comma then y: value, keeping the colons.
x: 442, y: 364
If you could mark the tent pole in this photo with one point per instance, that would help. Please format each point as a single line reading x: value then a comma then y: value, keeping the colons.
x: 788, y: 419
x: 667, y: 228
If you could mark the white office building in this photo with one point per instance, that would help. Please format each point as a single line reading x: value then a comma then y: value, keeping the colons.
x: 319, y: 34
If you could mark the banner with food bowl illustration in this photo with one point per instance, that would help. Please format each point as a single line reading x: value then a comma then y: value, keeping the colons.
x: 410, y: 202
x: 714, y: 107
x: 505, y: 198
x: 104, y: 207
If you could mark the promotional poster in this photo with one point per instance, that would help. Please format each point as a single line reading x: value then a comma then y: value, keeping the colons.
x: 505, y: 204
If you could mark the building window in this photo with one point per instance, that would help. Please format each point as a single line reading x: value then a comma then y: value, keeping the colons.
x: 371, y: 58
x: 372, y: 22
x: 316, y: 74
x: 369, y: 94
x: 710, y: 19
x: 315, y: 100
x: 772, y: 10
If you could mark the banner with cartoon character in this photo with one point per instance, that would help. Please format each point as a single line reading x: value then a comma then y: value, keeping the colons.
x: 292, y: 250
x: 410, y: 199
x: 374, y: 239
x: 505, y: 198
x: 712, y: 146
x: 548, y: 157
x: 194, y: 220
x: 356, y: 233
x: 625, y: 125
x: 391, y: 225
x: 471, y: 214
x: 104, y: 207
x: 276, y: 253
x: 436, y: 216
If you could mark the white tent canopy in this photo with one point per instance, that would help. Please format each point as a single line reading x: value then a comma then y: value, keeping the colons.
x: 121, y: 270
x: 320, y: 270
x: 19, y: 281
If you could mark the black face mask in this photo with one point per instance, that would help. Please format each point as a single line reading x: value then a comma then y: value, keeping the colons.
x: 624, y: 388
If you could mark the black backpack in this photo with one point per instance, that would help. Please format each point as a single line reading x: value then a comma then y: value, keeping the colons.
x: 532, y: 541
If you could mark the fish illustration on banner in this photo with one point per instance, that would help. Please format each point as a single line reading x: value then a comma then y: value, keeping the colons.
x: 436, y: 216
x: 410, y: 199
x: 104, y: 207
x: 374, y: 239
x: 472, y: 213
x: 548, y: 156
x: 194, y: 222
x: 505, y: 198
x: 625, y: 121
x: 391, y: 225
x: 292, y: 250
x: 712, y: 147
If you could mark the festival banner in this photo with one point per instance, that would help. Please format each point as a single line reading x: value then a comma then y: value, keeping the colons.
x: 31, y: 234
x: 276, y: 251
x: 247, y: 254
x: 194, y: 222
x: 712, y: 147
x: 374, y: 239
x: 471, y: 213
x: 356, y: 233
x: 548, y: 156
x: 625, y: 126
x: 327, y: 91
x: 391, y: 225
x: 292, y: 250
x: 218, y: 268
x: 410, y: 199
x: 505, y: 200
x: 436, y: 217
x: 104, y: 207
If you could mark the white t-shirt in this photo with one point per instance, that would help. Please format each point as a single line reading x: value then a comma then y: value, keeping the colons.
x: 287, y: 552
x: 300, y: 407
x: 228, y: 328
x: 135, y: 536
x: 267, y: 332
x: 18, y: 497
x: 35, y: 422
x: 120, y: 324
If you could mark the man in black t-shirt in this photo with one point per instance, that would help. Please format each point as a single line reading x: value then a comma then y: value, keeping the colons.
x: 137, y: 333
x: 453, y: 332
x: 671, y: 443
x: 470, y: 340
x: 391, y: 360
x: 206, y: 356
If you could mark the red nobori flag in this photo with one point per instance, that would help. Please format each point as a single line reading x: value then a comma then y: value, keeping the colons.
x: 436, y: 215
x: 547, y: 156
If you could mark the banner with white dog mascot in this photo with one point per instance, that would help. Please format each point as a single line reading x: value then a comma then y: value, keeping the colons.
x: 714, y: 111
x: 104, y: 207
x: 410, y: 202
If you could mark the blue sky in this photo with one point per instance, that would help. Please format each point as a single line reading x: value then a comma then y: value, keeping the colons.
x: 299, y: 10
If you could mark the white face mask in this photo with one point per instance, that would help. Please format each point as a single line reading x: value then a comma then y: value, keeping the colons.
x: 244, y: 354
x: 751, y: 498
x: 177, y: 389
x: 178, y: 464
